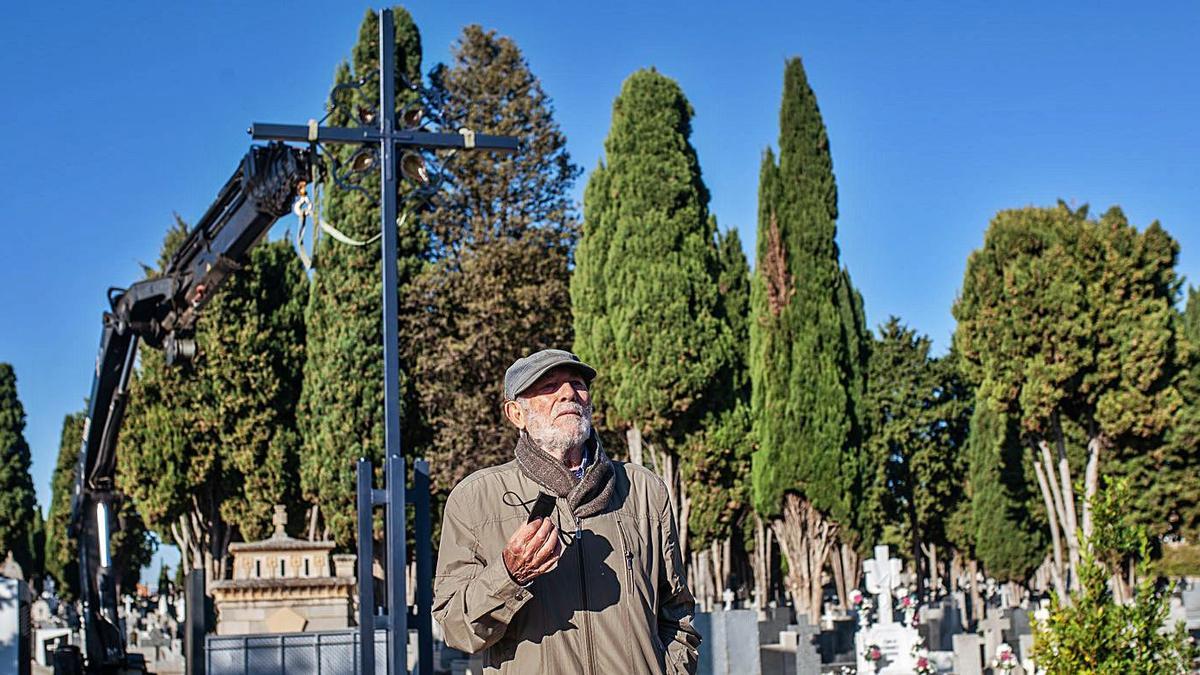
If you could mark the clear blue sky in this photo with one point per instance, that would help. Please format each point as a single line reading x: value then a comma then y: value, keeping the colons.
x: 117, y: 114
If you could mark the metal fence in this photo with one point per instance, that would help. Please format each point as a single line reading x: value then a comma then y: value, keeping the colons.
x: 323, y: 653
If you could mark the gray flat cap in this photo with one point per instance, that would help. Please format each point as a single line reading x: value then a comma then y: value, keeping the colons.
x: 526, y: 370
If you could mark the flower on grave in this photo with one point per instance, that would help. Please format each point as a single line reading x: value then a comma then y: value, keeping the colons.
x: 901, y: 592
x: 873, y: 653
x: 922, y: 665
x: 1005, y: 659
x: 856, y: 597
x: 907, y: 602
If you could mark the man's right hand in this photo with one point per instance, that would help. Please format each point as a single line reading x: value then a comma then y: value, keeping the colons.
x: 533, y: 550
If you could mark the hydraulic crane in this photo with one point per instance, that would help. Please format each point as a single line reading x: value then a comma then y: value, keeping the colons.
x: 161, y: 312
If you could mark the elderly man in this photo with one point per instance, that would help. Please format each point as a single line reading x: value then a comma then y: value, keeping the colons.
x: 597, y: 586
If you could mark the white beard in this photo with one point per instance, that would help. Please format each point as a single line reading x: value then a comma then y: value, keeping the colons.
x: 557, y: 439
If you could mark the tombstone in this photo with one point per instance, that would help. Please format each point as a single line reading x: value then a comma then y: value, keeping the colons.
x: 968, y: 659
x: 15, y: 628
x: 993, y: 628
x: 776, y: 620
x: 1025, y: 650
x: 1022, y: 626
x: 808, y: 657
x: 731, y: 641
x: 894, y: 640
x: 1190, y: 599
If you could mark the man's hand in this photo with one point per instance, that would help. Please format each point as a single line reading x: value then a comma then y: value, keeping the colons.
x: 533, y: 550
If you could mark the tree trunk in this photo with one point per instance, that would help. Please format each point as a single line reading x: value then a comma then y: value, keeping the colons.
x: 1091, y: 482
x: 976, y: 597
x: 1071, y: 522
x: 685, y: 511
x: 805, y: 538
x: 761, y: 560
x: 633, y: 438
x: 839, y: 576
x: 1056, y: 571
x: 934, y: 573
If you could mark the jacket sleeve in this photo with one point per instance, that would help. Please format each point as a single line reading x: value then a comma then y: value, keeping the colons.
x: 676, y: 604
x: 474, y: 597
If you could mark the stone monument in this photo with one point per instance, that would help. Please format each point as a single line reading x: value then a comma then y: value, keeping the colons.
x: 284, y: 585
x: 892, y: 642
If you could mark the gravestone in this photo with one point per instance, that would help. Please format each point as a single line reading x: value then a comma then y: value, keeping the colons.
x: 776, y: 620
x: 968, y: 659
x: 1025, y: 649
x: 894, y: 640
x: 15, y: 630
x: 993, y: 628
x: 731, y: 642
x: 1022, y: 626
x: 1191, y: 606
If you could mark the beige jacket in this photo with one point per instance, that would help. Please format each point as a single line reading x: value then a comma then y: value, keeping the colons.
x: 617, y: 603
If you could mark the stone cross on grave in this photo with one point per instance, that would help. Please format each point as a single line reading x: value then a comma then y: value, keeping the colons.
x: 883, y: 576
x: 993, y: 628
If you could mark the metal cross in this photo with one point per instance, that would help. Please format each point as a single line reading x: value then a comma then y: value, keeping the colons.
x: 388, y: 138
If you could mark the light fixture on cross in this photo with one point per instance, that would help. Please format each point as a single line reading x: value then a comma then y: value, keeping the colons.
x: 388, y: 138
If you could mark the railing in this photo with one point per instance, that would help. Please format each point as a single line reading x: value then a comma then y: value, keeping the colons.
x: 323, y: 653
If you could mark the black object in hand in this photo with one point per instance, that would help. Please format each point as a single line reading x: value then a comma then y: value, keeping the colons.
x: 543, y: 507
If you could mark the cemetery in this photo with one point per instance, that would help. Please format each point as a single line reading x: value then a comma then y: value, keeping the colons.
x: 728, y: 436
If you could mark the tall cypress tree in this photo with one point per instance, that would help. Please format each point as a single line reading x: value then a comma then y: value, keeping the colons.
x: 62, y: 550
x: 341, y: 405
x: 17, y: 497
x: 644, y: 291
x: 503, y: 233
x: 206, y: 449
x: 802, y: 366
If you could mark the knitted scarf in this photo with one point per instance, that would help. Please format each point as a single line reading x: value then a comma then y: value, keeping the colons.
x: 587, y: 496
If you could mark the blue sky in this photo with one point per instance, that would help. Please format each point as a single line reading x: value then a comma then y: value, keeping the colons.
x: 115, y: 115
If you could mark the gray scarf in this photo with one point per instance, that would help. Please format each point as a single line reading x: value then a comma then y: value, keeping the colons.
x: 587, y: 496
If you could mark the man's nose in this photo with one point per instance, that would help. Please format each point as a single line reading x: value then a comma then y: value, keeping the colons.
x: 566, y: 392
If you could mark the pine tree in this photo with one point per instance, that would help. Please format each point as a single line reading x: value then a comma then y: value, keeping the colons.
x: 62, y: 550
x: 502, y: 232
x: 17, y: 498
x: 1067, y: 323
x: 341, y: 403
x: 1175, y: 505
x: 644, y: 291
x: 801, y: 369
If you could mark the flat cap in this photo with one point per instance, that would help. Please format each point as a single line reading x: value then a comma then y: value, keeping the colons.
x: 527, y: 369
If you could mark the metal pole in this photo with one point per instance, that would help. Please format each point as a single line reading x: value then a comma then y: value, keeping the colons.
x: 396, y: 553
x: 366, y: 579
x: 424, y: 544
x: 397, y: 556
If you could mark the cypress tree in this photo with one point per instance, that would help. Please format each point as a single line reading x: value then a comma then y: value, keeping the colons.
x: 206, y: 449
x: 62, y: 550
x: 644, y: 292
x: 17, y: 497
x: 1067, y: 323
x: 715, y: 462
x: 502, y: 235
x: 341, y: 404
x: 1006, y: 519
x: 801, y: 359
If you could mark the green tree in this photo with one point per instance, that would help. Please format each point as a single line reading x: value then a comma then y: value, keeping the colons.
x: 645, y: 289
x: 917, y: 409
x: 802, y: 357
x: 1172, y: 507
x: 1067, y: 323
x: 208, y: 448
x: 1099, y: 633
x: 715, y: 462
x: 502, y: 235
x: 62, y: 551
x: 1007, y: 518
x: 341, y: 403
x: 17, y: 498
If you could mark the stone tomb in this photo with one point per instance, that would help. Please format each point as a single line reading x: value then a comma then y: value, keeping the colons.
x: 729, y: 642
x: 284, y: 585
x: 894, y: 640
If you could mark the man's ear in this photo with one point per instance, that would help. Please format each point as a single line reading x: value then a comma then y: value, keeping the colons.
x: 515, y: 414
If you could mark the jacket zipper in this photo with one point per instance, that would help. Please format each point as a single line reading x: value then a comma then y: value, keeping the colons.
x: 587, y: 622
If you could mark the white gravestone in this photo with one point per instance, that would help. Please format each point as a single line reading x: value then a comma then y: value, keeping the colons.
x: 894, y: 640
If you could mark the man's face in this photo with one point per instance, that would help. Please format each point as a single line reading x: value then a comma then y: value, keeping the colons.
x: 556, y: 410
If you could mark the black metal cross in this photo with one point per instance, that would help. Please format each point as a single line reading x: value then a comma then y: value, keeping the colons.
x: 389, y: 138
